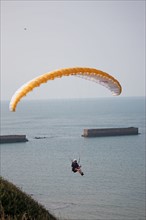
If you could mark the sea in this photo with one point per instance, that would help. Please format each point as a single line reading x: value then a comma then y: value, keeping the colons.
x: 113, y: 185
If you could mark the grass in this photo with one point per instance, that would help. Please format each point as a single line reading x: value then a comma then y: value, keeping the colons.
x: 17, y: 205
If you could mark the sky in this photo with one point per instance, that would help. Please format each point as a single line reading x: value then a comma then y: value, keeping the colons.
x: 42, y: 36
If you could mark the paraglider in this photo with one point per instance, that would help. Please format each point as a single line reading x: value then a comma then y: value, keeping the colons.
x: 92, y: 74
x: 76, y: 167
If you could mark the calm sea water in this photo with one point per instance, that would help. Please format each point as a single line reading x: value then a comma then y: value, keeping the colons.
x: 113, y: 186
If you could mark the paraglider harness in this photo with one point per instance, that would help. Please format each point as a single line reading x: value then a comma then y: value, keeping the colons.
x: 76, y: 167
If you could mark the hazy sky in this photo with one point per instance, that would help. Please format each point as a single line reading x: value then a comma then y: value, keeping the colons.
x: 42, y: 36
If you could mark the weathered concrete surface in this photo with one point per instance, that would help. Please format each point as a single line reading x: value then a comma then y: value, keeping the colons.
x: 109, y: 132
x: 12, y: 138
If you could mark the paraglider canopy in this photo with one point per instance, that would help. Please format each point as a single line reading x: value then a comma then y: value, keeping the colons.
x: 92, y: 74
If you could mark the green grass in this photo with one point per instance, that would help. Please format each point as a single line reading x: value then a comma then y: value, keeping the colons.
x: 15, y: 204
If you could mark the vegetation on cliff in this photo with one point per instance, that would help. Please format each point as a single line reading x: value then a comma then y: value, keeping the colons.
x: 15, y: 204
